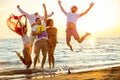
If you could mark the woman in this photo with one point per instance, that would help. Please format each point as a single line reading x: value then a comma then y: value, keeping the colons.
x: 26, y: 42
x: 52, y: 37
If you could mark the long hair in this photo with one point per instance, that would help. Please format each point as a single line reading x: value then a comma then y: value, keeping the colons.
x: 48, y: 22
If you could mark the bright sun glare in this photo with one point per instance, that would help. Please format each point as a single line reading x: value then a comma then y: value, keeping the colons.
x: 103, y: 16
x: 100, y: 18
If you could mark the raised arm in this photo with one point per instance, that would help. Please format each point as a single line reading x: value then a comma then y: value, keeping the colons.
x: 22, y: 12
x: 52, y: 13
x: 42, y: 17
x: 62, y: 9
x: 45, y: 13
x: 20, y: 23
x: 83, y: 13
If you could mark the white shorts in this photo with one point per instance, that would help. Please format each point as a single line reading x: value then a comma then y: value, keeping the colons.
x: 32, y: 38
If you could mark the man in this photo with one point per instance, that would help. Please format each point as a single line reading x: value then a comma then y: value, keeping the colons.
x: 41, y: 38
x: 72, y: 18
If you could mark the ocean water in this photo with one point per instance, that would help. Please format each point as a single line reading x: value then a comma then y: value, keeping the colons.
x: 91, y: 52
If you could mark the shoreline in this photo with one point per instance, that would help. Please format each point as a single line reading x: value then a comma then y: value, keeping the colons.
x: 110, y: 73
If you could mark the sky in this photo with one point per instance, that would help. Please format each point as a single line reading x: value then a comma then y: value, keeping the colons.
x: 102, y: 20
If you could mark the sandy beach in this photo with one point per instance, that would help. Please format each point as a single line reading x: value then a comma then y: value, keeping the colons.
x: 103, y: 74
x: 111, y: 73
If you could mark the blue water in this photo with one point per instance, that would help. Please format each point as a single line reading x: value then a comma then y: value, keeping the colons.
x: 98, y: 51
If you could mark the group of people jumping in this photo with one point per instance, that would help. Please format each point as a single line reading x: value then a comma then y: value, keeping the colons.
x: 44, y: 35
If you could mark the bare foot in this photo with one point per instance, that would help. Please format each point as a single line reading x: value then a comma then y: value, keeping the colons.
x: 17, y: 53
x: 28, y: 66
x: 71, y: 48
x: 87, y: 33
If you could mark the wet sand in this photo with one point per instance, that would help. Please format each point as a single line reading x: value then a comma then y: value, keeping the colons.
x: 112, y: 73
x: 102, y: 74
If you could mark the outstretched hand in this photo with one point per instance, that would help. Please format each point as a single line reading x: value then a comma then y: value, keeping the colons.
x: 18, y: 6
x: 59, y: 1
x: 52, y: 12
x: 92, y: 4
x: 44, y: 5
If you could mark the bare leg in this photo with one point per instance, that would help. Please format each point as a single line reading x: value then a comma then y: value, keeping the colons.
x: 53, y: 61
x: 49, y: 57
x: 68, y: 43
x: 27, y: 56
x: 52, y: 57
x: 21, y: 58
x: 35, y: 59
x: 83, y: 37
x: 28, y: 61
x: 37, y: 52
x: 43, y: 60
x: 29, y: 64
x: 38, y: 59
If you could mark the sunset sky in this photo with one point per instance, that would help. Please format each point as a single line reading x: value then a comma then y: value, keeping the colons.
x: 102, y: 20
